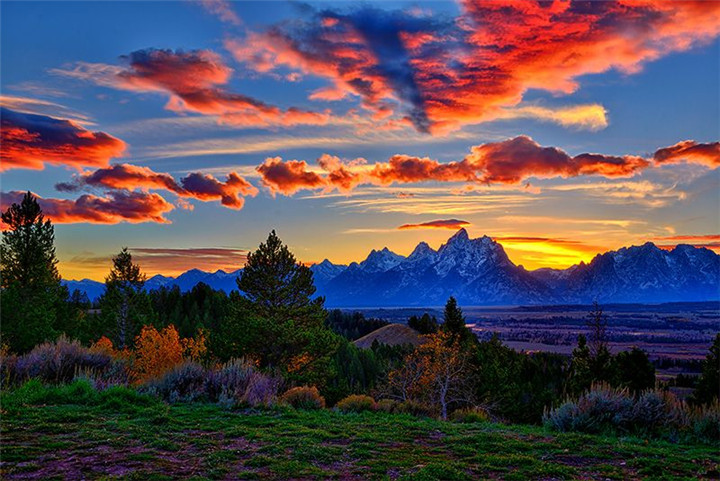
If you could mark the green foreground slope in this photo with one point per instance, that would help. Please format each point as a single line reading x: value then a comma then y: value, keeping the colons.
x: 120, y: 435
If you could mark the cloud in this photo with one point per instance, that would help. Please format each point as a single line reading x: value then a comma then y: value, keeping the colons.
x: 29, y: 141
x: 437, y: 224
x: 510, y: 161
x: 691, y: 152
x: 174, y: 261
x: 116, y: 207
x: 223, y: 10
x: 440, y: 73
x: 708, y: 241
x: 194, y: 81
x: 288, y: 177
x: 196, y: 185
x: 514, y: 160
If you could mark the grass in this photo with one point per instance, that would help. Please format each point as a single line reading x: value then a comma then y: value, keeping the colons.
x: 48, y: 434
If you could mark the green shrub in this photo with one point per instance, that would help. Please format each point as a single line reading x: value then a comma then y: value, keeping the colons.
x: 122, y: 398
x: 303, y: 397
x: 470, y: 415
x: 386, y: 405
x: 705, y: 422
x: 655, y: 412
x: 34, y: 392
x: 602, y: 409
x: 356, y: 403
x: 414, y: 408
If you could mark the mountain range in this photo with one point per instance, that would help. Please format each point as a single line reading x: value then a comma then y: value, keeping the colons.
x: 479, y: 272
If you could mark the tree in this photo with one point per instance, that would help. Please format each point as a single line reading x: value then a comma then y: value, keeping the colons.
x: 124, y: 305
x: 33, y: 299
x: 633, y: 370
x: 276, y: 320
x: 600, y: 358
x: 438, y: 372
x: 424, y: 324
x: 454, y: 323
x: 708, y: 385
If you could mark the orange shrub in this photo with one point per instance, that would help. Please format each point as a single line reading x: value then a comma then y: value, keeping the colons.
x: 195, y: 349
x: 156, y: 352
x: 103, y: 345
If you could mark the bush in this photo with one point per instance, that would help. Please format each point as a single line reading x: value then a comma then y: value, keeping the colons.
x: 470, y: 415
x: 183, y: 383
x: 655, y: 412
x: 239, y: 382
x: 34, y: 392
x: 414, y: 408
x: 235, y: 382
x: 356, y: 403
x: 705, y: 422
x: 303, y: 397
x: 602, y: 409
x: 386, y: 405
x: 117, y: 373
x: 57, y: 362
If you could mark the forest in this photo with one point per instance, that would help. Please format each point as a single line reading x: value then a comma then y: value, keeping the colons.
x: 272, y: 342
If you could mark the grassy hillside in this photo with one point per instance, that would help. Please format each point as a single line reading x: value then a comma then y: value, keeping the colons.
x: 120, y: 434
x: 392, y: 335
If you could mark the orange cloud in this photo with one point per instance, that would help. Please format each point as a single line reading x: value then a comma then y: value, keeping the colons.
x: 440, y: 73
x: 690, y: 151
x: 118, y: 206
x: 288, y: 177
x: 514, y: 160
x: 453, y: 224
x: 708, y: 241
x: 511, y: 161
x: 29, y: 141
x: 196, y: 185
x: 194, y: 81
x: 176, y: 261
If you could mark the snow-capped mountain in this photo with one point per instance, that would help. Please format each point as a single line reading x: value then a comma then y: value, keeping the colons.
x: 479, y: 272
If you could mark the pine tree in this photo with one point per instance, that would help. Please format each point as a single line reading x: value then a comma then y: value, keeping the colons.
x: 124, y: 305
x: 275, y: 320
x: 33, y: 299
x: 708, y: 386
x: 454, y: 322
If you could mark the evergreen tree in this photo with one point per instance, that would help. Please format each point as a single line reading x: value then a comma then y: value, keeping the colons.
x: 454, y: 322
x: 125, y: 307
x: 580, y: 374
x: 424, y: 324
x: 275, y: 320
x: 708, y: 386
x: 33, y: 299
x: 633, y: 370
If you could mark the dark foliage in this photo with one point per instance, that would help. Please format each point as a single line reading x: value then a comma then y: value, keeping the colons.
x: 352, y: 325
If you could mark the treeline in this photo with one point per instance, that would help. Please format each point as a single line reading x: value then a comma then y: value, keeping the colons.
x: 276, y: 324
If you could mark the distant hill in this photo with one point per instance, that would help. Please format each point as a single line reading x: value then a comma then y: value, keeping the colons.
x: 392, y: 335
x: 478, y: 272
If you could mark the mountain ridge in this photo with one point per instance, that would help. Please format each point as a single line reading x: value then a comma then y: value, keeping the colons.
x: 479, y: 272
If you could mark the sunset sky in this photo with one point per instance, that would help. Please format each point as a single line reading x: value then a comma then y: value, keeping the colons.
x: 188, y: 130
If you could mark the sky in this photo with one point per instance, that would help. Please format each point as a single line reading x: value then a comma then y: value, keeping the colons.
x: 187, y: 131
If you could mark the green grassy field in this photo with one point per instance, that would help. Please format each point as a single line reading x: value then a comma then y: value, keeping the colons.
x: 120, y: 435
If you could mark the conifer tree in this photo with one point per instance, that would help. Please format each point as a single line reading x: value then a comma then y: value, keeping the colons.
x: 708, y: 386
x: 276, y: 320
x: 124, y: 305
x: 454, y: 322
x: 33, y: 299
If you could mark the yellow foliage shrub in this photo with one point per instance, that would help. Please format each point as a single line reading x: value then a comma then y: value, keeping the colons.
x: 156, y: 352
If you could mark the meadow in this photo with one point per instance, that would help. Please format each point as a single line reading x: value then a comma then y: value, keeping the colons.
x: 74, y: 432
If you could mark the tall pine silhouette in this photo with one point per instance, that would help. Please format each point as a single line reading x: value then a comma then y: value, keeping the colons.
x: 33, y: 299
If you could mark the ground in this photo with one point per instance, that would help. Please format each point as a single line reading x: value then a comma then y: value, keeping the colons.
x: 129, y: 437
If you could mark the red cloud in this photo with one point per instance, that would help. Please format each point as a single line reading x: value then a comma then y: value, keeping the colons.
x: 690, y: 151
x: 196, y: 185
x: 437, y: 224
x: 288, y: 177
x: 447, y: 72
x: 194, y: 81
x: 119, y: 206
x: 513, y: 160
x: 29, y: 141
